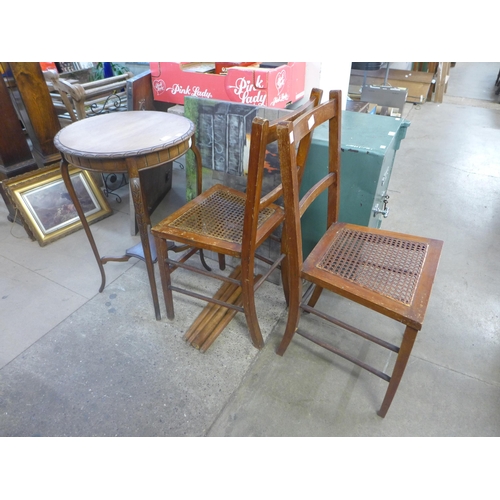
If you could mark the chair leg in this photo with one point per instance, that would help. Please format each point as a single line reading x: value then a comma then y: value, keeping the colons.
x: 248, y: 300
x: 162, y: 254
x: 222, y: 261
x: 404, y: 354
x: 284, y: 267
x: 284, y: 280
x: 294, y: 311
x: 315, y: 296
x: 203, y: 262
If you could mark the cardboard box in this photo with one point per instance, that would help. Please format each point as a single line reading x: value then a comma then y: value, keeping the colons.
x: 48, y: 66
x: 418, y: 83
x: 274, y: 87
x: 221, y: 67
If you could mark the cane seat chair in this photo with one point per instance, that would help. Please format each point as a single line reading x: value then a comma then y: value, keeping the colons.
x: 387, y: 272
x: 228, y: 222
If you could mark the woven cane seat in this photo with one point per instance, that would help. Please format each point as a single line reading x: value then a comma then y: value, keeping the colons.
x: 390, y: 266
x: 220, y: 216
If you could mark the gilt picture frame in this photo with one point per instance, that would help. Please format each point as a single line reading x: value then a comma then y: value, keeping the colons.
x: 45, y: 206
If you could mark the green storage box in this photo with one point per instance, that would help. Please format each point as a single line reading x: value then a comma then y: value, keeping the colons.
x: 369, y: 145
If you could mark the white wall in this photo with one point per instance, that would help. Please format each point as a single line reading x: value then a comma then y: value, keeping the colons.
x: 327, y: 76
x: 405, y: 66
x: 335, y: 75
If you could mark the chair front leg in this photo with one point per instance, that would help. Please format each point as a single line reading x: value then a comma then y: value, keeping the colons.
x: 315, y: 296
x: 222, y: 261
x: 404, y: 354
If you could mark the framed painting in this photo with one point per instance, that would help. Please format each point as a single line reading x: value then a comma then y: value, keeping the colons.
x: 43, y: 202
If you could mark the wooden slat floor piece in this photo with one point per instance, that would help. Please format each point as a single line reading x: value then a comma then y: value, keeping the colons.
x: 214, y: 318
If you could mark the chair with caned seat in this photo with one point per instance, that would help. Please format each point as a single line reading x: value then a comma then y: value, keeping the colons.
x: 387, y: 272
x: 228, y: 222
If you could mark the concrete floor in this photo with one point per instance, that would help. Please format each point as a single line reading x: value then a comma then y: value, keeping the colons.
x: 75, y: 362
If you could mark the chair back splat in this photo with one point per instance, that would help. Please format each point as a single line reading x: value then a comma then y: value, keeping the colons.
x: 228, y: 222
x: 387, y: 272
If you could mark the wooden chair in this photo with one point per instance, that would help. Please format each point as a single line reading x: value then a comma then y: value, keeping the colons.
x: 388, y: 272
x: 227, y: 222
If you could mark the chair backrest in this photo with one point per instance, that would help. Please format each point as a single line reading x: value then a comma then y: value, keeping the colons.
x: 265, y: 132
x: 294, y: 139
x: 90, y: 98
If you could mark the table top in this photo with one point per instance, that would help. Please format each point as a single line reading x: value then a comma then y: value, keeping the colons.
x: 124, y: 134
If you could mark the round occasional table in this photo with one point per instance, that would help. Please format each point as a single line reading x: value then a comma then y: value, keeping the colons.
x: 128, y: 141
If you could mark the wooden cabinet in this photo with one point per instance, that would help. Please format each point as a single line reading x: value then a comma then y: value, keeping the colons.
x: 36, y: 110
x: 27, y: 115
x: 15, y: 153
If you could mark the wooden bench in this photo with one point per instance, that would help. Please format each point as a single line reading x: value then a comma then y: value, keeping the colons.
x: 75, y: 101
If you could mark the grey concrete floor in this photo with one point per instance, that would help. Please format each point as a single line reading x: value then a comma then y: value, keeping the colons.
x: 75, y: 362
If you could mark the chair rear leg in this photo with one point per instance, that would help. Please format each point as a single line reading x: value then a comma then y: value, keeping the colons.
x: 162, y: 253
x: 404, y: 354
x: 284, y: 268
x: 294, y: 311
x: 285, y: 281
x: 248, y: 302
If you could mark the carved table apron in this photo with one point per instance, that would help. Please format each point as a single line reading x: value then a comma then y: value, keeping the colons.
x: 129, y: 141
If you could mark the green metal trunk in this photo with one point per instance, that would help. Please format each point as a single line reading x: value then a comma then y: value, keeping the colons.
x: 369, y: 145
